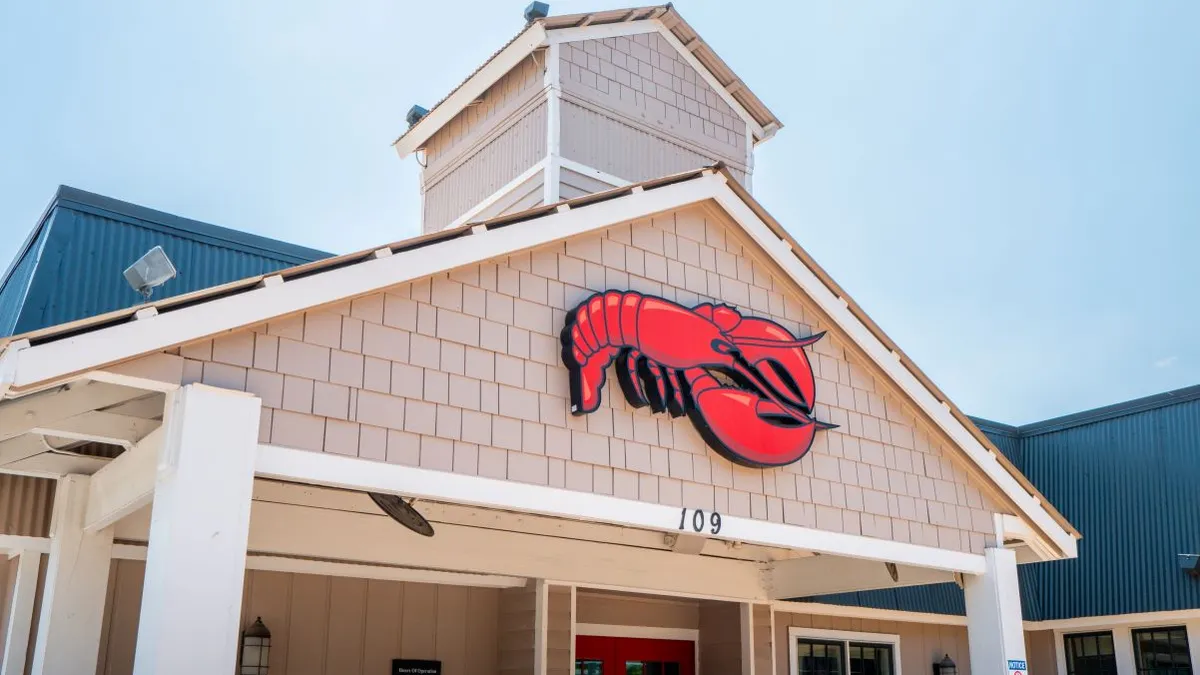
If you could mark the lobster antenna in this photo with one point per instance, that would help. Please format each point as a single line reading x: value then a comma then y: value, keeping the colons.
x: 765, y: 342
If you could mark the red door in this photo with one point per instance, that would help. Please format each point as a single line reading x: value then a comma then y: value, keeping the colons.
x: 595, y: 655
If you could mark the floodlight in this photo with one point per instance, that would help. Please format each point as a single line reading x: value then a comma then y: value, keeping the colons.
x: 150, y: 271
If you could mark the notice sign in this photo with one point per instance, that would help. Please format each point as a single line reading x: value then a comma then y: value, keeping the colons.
x: 1016, y: 667
x: 416, y: 667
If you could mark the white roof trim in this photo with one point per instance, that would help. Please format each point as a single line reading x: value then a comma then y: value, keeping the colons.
x: 58, y: 359
x: 473, y: 88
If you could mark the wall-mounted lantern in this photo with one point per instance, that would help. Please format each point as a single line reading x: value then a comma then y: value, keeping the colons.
x: 945, y: 666
x: 256, y: 648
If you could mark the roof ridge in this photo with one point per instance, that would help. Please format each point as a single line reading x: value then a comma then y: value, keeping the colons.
x: 1111, y: 411
x: 67, y: 196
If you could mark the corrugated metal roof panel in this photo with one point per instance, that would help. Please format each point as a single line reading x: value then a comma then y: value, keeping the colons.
x: 1129, y: 482
x: 73, y: 267
x: 1126, y: 475
x: 15, y: 284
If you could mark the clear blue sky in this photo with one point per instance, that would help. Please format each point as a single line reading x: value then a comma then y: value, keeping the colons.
x: 1011, y: 189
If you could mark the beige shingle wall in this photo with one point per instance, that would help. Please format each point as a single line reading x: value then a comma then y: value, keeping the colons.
x: 634, y: 108
x: 461, y: 373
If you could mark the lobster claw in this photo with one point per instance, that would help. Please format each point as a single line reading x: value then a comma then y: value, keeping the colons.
x: 745, y: 427
x: 778, y: 359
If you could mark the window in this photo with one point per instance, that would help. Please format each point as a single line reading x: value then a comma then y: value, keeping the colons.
x: 1162, y: 651
x: 1090, y: 654
x: 822, y: 652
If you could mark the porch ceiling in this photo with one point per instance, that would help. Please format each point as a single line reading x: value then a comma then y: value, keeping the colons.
x: 78, y: 427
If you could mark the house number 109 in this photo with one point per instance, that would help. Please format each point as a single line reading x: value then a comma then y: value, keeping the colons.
x: 698, y: 521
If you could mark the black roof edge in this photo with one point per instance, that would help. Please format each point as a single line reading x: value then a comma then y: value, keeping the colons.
x: 1107, y: 412
x: 67, y: 195
x: 989, y: 427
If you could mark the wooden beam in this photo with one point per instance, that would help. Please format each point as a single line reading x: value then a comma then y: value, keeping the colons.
x: 57, y: 463
x: 820, y: 575
x: 25, y: 414
x: 125, y: 485
x: 270, y: 563
x: 100, y: 427
x: 335, y: 535
x: 15, y: 543
x: 21, y: 447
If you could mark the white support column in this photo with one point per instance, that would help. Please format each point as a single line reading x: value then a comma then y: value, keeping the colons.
x: 746, y: 615
x: 196, y: 559
x: 20, y: 616
x: 541, y: 625
x: 68, y: 638
x: 995, y: 632
x: 551, y: 187
x: 1193, y: 636
x: 1123, y: 650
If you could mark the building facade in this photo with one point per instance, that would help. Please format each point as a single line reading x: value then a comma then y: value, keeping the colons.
x: 648, y: 432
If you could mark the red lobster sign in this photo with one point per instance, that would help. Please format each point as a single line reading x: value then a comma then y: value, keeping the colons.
x: 744, y: 382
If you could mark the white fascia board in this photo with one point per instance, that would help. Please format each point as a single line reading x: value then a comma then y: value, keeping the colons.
x: 1141, y: 620
x: 780, y: 251
x: 498, y: 194
x: 473, y: 88
x: 583, y: 169
x: 823, y: 609
x: 95, y: 349
x: 355, y: 474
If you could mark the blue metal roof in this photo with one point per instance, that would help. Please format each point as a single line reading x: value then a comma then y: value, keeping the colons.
x: 1126, y: 476
x: 71, y: 265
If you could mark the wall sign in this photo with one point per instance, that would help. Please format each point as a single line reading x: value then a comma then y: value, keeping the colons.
x: 1016, y: 667
x: 744, y: 382
x: 416, y: 667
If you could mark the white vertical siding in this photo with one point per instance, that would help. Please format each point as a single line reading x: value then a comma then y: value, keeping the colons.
x: 490, y: 168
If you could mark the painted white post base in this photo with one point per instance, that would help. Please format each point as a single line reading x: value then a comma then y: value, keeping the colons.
x: 20, y: 619
x: 68, y: 637
x: 994, y: 624
x: 196, y: 559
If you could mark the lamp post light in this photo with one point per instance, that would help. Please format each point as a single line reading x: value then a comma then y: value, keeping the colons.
x: 945, y: 666
x: 256, y: 648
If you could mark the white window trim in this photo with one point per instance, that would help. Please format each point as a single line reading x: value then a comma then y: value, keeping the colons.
x: 644, y: 632
x: 796, y: 633
x: 1122, y: 628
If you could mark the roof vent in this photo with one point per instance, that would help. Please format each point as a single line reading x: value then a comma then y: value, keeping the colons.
x: 415, y: 114
x: 537, y: 10
x: 150, y: 271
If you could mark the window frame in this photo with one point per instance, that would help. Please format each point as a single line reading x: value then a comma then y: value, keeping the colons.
x: 1066, y: 651
x: 1133, y: 644
x: 846, y: 637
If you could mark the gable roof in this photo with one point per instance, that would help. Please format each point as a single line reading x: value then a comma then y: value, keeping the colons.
x: 540, y: 32
x: 57, y: 277
x: 43, y: 358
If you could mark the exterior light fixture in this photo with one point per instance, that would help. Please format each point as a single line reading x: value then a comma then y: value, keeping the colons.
x: 536, y: 10
x: 256, y: 648
x: 945, y: 666
x: 1190, y: 563
x: 150, y: 271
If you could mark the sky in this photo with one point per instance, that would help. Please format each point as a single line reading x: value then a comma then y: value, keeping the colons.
x: 1011, y: 189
